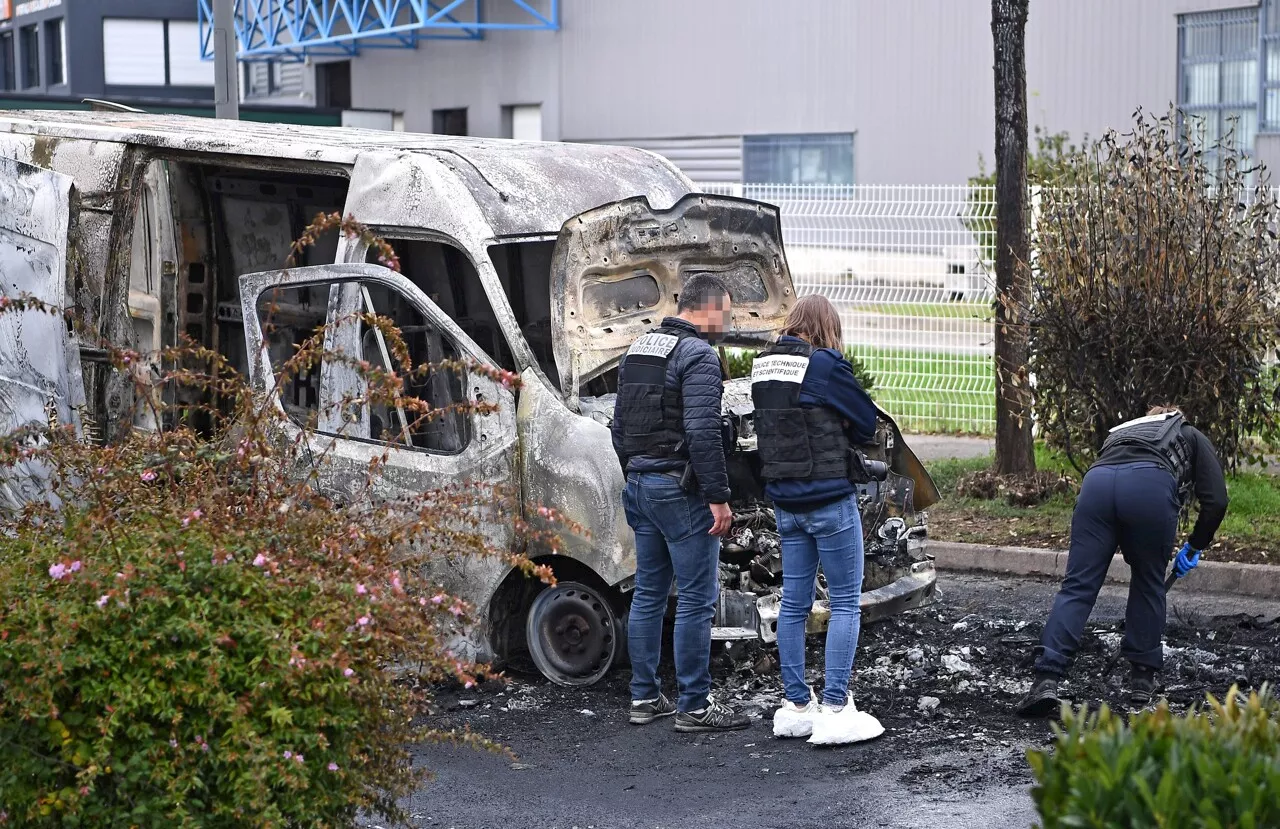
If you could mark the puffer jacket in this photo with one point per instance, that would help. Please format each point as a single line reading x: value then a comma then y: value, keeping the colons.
x: 695, y: 370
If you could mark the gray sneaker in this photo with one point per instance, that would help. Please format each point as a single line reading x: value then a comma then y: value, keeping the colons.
x: 1042, y: 700
x: 645, y: 711
x: 715, y: 717
x: 1142, y: 685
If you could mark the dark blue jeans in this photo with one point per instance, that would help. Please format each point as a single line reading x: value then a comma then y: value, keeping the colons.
x: 1134, y: 507
x: 832, y: 535
x: 673, y: 542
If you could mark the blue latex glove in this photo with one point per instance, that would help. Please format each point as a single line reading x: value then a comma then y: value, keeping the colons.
x: 1185, y: 561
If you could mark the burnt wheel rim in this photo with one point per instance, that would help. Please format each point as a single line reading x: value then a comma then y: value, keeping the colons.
x: 572, y: 634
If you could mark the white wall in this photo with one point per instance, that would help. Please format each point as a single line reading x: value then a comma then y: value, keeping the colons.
x: 912, y: 78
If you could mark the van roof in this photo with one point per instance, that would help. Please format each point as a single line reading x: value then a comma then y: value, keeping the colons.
x: 521, y: 186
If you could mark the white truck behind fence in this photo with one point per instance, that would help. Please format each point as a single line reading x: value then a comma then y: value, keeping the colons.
x: 904, y: 264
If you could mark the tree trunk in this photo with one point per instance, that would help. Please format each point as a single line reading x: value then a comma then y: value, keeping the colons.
x: 1015, y: 452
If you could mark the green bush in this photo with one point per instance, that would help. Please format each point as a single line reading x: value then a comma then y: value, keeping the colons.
x: 199, y: 638
x: 1155, y: 280
x: 740, y: 366
x: 1218, y: 766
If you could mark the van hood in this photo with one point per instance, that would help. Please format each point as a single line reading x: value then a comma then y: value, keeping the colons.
x: 619, y: 269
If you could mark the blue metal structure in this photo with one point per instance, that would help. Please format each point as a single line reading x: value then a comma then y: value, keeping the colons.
x: 293, y: 29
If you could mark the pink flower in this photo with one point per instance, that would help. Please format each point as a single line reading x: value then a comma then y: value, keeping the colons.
x: 259, y: 560
x: 298, y: 757
x: 437, y: 598
x: 148, y: 476
x: 362, y: 621
x: 347, y: 672
x: 333, y: 767
x: 288, y: 755
x: 102, y: 600
x: 57, y: 571
x: 361, y: 590
x: 195, y: 515
x: 422, y: 601
x: 75, y: 566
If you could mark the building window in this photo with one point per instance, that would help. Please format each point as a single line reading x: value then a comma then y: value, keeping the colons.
x: 1218, y: 83
x: 8, y: 80
x: 54, y: 32
x: 798, y: 159
x: 182, y: 51
x: 333, y: 84
x: 449, y: 121
x: 153, y: 53
x: 29, y: 37
x: 523, y: 122
x: 1269, y: 23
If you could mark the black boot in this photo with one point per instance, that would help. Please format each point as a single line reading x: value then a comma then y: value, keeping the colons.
x: 1042, y: 700
x: 1142, y: 685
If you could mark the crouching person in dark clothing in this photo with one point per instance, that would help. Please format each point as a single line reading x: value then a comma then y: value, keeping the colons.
x: 810, y: 413
x: 667, y: 434
x: 1130, y: 498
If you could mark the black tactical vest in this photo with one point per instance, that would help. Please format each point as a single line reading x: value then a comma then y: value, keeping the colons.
x: 795, y: 442
x: 1159, y: 436
x: 652, y: 415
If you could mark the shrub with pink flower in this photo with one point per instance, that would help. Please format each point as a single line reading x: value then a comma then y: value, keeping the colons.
x: 266, y: 573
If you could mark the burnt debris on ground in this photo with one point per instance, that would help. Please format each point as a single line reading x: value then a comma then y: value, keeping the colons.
x: 953, y: 754
x: 943, y: 673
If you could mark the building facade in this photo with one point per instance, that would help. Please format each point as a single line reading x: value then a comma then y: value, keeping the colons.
x: 828, y: 91
x: 142, y: 53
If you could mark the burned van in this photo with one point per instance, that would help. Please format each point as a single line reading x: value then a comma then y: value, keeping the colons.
x: 543, y: 259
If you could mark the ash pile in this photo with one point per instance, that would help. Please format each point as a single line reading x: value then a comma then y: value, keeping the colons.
x: 966, y: 670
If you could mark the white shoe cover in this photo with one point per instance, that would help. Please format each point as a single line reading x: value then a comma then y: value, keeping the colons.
x: 792, y: 720
x: 848, y: 725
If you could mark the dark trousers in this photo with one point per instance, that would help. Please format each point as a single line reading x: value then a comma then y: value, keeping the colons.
x: 1134, y: 507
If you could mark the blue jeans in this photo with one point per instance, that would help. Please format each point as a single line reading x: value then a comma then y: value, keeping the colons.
x: 673, y: 541
x: 831, y: 535
x: 1133, y: 506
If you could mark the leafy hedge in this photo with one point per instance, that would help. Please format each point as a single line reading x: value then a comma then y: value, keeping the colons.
x: 193, y: 635
x: 1217, y: 766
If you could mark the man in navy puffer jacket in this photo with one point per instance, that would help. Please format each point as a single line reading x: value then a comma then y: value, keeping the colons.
x: 667, y: 434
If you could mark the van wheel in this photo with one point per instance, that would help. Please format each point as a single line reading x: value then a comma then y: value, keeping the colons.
x: 572, y: 634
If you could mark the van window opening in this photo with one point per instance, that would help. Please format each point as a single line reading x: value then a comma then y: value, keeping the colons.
x: 524, y: 269
x: 449, y: 279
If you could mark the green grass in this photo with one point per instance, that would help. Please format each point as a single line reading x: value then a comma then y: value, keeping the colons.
x: 1250, y: 532
x: 949, y: 310
x: 933, y: 392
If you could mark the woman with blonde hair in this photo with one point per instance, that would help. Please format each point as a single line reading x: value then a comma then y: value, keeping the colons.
x: 810, y: 413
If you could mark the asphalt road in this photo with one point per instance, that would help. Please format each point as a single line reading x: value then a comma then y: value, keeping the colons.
x: 578, y: 764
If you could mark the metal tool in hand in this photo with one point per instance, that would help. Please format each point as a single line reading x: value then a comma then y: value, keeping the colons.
x: 1183, y: 563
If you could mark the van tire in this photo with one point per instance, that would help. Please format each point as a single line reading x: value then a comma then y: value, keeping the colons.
x: 572, y: 633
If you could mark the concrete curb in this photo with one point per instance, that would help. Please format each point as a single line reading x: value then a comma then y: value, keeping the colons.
x: 1258, y: 580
